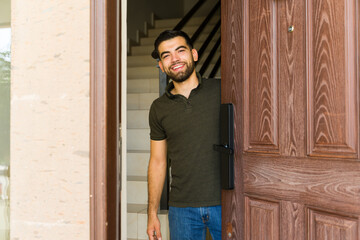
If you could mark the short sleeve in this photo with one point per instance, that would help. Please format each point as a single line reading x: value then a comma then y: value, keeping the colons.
x: 157, y: 131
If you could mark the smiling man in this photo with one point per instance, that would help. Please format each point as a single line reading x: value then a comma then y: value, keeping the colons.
x: 184, y: 125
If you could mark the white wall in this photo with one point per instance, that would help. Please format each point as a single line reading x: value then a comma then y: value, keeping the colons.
x: 50, y: 120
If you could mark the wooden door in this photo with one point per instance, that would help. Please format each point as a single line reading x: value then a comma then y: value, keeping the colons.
x: 296, y: 101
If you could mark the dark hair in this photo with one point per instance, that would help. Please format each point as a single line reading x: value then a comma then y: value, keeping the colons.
x: 166, y: 35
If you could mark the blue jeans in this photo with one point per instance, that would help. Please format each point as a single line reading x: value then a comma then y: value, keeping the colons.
x: 190, y: 223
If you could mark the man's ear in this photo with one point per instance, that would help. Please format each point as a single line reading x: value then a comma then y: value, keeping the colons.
x: 161, y: 66
x: 195, y: 54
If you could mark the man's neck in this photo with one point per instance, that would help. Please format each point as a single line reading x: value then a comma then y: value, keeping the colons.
x: 184, y: 88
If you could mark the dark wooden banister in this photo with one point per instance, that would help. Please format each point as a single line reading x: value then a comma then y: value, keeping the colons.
x: 215, y: 68
x: 204, y: 23
x: 164, y: 80
x: 208, y: 40
x: 188, y: 16
x: 209, y: 57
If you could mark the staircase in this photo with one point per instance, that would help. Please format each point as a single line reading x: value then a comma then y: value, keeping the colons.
x: 143, y: 88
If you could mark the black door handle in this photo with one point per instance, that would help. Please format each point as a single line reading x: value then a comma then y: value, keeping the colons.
x: 223, y: 149
x: 226, y: 148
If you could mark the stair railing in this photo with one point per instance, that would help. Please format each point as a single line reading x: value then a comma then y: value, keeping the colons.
x: 164, y: 80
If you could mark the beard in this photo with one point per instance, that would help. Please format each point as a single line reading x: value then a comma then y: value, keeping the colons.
x: 182, y: 76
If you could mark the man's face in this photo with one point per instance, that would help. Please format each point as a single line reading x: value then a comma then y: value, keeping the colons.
x: 176, y: 59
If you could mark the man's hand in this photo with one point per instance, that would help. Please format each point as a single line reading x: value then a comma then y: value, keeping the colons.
x: 153, y: 229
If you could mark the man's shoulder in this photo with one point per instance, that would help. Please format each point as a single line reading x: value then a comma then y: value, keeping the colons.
x: 211, y: 84
x: 211, y: 81
x: 160, y: 101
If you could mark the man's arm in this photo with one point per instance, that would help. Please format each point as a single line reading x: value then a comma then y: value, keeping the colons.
x: 156, y: 177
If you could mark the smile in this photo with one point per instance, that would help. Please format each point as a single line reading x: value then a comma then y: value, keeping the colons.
x: 177, y: 66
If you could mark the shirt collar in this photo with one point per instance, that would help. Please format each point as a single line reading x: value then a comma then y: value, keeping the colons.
x: 170, y: 86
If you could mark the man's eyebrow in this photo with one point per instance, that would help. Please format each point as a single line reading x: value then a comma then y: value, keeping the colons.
x: 164, y: 53
x: 179, y: 47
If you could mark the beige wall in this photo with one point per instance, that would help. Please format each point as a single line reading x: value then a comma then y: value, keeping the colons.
x: 49, y: 197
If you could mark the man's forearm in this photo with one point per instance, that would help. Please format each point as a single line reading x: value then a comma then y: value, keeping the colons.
x: 156, y: 177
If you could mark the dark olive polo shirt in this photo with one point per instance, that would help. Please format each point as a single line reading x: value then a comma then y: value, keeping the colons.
x: 190, y: 127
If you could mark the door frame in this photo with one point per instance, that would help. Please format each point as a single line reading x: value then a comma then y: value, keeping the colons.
x: 232, y: 72
x: 106, y: 96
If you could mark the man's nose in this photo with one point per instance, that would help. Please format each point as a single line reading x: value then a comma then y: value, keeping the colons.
x: 175, y: 57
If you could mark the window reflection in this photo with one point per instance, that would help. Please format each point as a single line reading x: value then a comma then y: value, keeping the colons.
x: 5, y: 58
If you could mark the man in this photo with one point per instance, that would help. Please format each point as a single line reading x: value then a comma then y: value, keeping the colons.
x: 184, y: 125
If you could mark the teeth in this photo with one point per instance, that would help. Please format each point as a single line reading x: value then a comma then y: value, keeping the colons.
x: 177, y: 67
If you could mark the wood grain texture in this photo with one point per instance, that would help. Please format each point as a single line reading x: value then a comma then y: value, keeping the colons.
x: 292, y: 73
x: 112, y: 82
x: 332, y: 92
x: 292, y: 220
x: 306, y: 181
x: 313, y: 73
x: 261, y: 83
x: 231, y: 92
x: 98, y: 206
x: 104, y: 215
x: 261, y: 219
x: 331, y: 227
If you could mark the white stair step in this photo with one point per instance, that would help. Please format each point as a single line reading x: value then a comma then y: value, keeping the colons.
x: 137, y: 225
x: 133, y: 211
x: 138, y: 139
x: 145, y: 50
x: 141, y: 61
x: 147, y: 41
x: 138, y: 119
x: 190, y: 30
x: 137, y: 163
x: 167, y: 23
x: 137, y: 190
x: 171, y: 23
x: 140, y: 101
x: 132, y: 219
x: 142, y: 72
x: 136, y: 208
x: 164, y: 225
x: 143, y: 85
